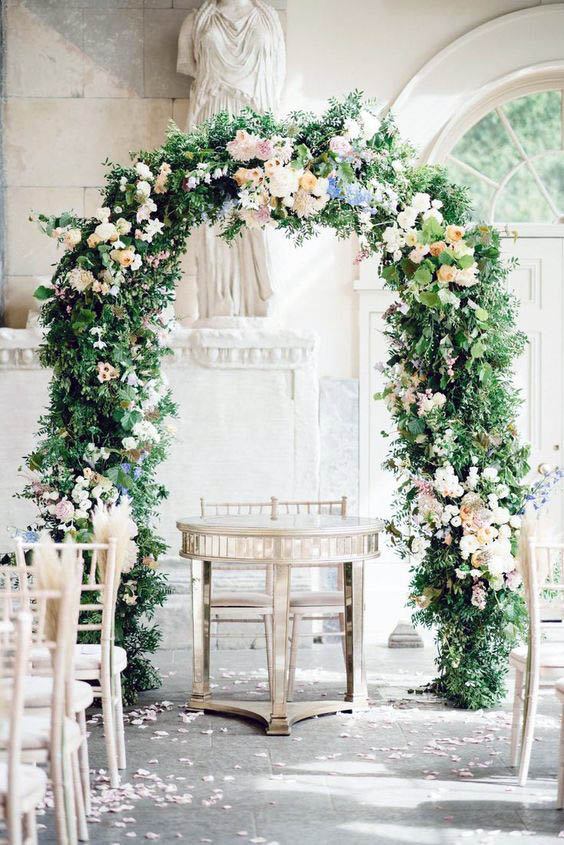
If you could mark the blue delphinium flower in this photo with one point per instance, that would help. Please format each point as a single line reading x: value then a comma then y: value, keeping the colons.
x: 333, y: 188
x: 356, y: 194
x: 27, y: 536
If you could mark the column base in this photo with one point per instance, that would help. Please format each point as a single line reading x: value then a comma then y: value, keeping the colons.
x: 404, y: 635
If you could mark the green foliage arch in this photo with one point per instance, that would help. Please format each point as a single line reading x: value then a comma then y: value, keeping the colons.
x: 452, y: 340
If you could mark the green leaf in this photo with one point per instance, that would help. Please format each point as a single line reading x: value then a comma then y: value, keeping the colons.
x: 481, y: 314
x: 302, y: 156
x: 446, y: 258
x: 477, y: 349
x: 423, y: 276
x: 430, y: 299
x: 465, y: 261
x: 416, y: 425
x: 431, y: 230
x: 390, y: 273
x: 43, y: 292
x: 346, y: 171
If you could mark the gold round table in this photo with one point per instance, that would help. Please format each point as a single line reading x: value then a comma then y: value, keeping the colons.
x: 283, y: 542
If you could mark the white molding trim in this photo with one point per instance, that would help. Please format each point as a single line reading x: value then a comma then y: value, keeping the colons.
x: 521, y: 45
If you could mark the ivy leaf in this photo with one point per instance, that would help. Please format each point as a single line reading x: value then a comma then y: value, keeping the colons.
x: 446, y: 258
x: 477, y: 349
x: 43, y: 292
x: 390, y: 273
x: 303, y: 155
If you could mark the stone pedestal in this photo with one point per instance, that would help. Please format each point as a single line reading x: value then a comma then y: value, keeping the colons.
x: 404, y: 635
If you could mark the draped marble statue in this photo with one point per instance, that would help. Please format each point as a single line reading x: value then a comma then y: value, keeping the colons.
x: 234, y: 50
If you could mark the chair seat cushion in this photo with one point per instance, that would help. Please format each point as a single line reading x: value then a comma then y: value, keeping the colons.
x: 88, y: 658
x: 316, y: 599
x: 241, y: 599
x: 552, y: 656
x: 38, y: 690
x: 36, y: 734
x: 31, y: 783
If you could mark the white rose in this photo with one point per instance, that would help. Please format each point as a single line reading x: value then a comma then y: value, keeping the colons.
x: 123, y: 226
x: 143, y: 170
x: 468, y: 545
x: 421, y: 202
x: 500, y: 516
x: 407, y: 218
x: 102, y: 214
x: 72, y: 237
x: 370, y: 124
x: 490, y: 474
x: 129, y: 443
x: 515, y: 522
x: 106, y: 232
x: 456, y: 522
x: 143, y: 190
x: 284, y: 181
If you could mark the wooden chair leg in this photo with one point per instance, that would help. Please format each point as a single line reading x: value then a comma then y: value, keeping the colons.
x: 516, y: 723
x: 531, y: 703
x: 110, y: 733
x: 70, y: 814
x: 268, y: 638
x: 82, y: 824
x: 293, y: 654
x: 31, y: 827
x: 83, y: 759
x: 342, y: 631
x: 120, y: 735
x: 63, y: 803
x: 560, y: 797
x: 14, y: 826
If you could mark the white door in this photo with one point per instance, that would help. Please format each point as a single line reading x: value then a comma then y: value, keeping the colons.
x: 538, y: 283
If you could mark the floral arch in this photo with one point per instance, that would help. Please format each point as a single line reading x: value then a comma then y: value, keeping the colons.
x: 452, y: 339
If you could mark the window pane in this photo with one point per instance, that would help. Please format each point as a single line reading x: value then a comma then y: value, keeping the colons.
x: 488, y: 148
x: 521, y: 201
x: 551, y: 170
x: 536, y: 120
x: 480, y: 192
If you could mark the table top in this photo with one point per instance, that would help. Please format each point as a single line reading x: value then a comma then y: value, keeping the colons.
x: 293, y: 525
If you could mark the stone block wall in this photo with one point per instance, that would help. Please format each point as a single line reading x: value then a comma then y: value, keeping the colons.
x: 84, y: 80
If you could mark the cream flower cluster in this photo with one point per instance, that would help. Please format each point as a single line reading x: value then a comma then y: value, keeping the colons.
x: 470, y: 513
x: 447, y: 256
x: 278, y: 184
x: 89, y: 488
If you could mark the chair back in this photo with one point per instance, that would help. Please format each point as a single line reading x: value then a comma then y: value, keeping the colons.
x: 544, y: 585
x: 275, y: 507
x: 15, y: 644
x: 100, y: 583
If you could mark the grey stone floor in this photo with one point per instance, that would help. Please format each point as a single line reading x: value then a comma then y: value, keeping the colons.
x: 408, y: 771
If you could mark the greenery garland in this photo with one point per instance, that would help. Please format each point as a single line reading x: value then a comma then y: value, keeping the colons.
x: 106, y: 429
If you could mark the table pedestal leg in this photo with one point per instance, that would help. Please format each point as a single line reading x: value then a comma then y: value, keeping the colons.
x: 201, y: 597
x: 353, y: 578
x: 279, y: 722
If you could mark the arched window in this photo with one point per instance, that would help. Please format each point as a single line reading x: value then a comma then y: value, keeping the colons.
x: 512, y: 160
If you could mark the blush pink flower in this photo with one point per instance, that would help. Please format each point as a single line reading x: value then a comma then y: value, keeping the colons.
x: 64, y: 510
x: 264, y: 149
x: 340, y: 146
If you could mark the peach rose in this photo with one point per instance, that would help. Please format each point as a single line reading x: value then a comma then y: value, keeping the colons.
x: 446, y: 274
x: 124, y: 257
x: 308, y: 181
x: 72, y: 237
x: 436, y: 248
x: 454, y: 234
x: 93, y: 240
